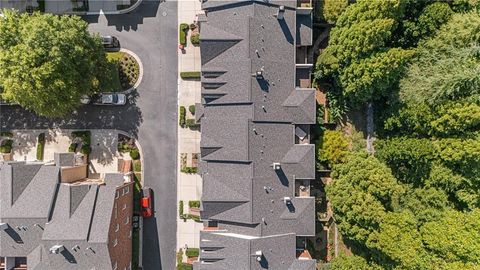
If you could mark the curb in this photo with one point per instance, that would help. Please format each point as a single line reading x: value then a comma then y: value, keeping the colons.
x: 117, y: 12
x: 140, y: 72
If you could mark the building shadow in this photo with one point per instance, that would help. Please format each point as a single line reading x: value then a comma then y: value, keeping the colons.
x: 128, y: 21
x: 151, y: 246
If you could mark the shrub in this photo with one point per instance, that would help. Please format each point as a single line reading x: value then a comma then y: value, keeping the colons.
x: 195, y: 39
x: 179, y: 256
x: 72, y: 147
x: 180, y: 209
x: 6, y: 134
x: 86, y: 150
x: 189, y: 170
x: 137, y: 166
x: 84, y: 135
x: 40, y: 146
x: 6, y: 146
x: 183, y: 33
x: 192, y: 252
x: 333, y: 148
x: 190, y: 75
x: 194, y: 204
x: 134, y: 154
x: 191, y: 108
x: 192, y: 123
x: 181, y: 117
x: 193, y: 26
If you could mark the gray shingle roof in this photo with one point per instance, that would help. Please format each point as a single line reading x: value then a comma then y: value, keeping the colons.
x: 250, y: 108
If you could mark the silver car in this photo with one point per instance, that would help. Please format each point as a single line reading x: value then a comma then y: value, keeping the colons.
x: 111, y: 99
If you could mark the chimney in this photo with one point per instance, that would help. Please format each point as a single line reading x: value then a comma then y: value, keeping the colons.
x: 3, y: 226
x: 57, y: 249
x: 258, y: 255
x: 287, y: 200
x: 276, y: 166
x: 281, y: 12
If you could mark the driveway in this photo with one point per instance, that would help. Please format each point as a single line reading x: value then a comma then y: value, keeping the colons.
x: 150, y: 31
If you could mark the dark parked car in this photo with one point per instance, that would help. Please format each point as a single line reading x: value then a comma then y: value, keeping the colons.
x: 110, y: 42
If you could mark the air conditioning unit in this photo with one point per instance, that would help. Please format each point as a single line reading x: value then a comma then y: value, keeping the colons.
x: 3, y: 226
x: 57, y: 249
x: 276, y: 166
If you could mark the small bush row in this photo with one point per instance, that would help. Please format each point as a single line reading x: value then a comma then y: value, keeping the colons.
x: 181, y: 116
x: 183, y: 33
x: 192, y: 252
x: 184, y: 266
x: 189, y: 170
x: 40, y: 146
x: 190, y: 75
x: 191, y: 123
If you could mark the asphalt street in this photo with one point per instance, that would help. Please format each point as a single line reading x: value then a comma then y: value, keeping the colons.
x: 150, y: 31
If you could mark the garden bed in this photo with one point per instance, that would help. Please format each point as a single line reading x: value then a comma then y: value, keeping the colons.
x: 125, y: 70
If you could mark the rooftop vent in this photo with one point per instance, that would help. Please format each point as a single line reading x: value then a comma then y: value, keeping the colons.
x: 258, y: 255
x: 281, y: 12
x: 287, y: 200
x: 276, y: 166
x: 3, y: 226
x: 57, y: 249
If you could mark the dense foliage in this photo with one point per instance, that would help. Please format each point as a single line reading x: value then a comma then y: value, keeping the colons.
x: 48, y: 62
x: 415, y: 202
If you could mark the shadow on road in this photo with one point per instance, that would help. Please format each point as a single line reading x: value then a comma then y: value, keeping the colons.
x: 151, y: 245
x: 127, y: 118
x: 129, y: 21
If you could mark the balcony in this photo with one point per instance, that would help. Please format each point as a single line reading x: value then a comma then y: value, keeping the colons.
x: 302, y: 188
x: 304, y: 7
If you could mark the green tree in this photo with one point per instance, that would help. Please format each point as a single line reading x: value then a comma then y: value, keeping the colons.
x: 362, y: 192
x: 48, y: 62
x: 344, y: 262
x: 332, y: 9
x: 455, y: 237
x: 399, y: 241
x: 358, y: 58
x: 426, y: 204
x: 333, y: 147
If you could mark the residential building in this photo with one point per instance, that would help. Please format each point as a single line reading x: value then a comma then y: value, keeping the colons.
x: 53, y: 217
x: 257, y: 159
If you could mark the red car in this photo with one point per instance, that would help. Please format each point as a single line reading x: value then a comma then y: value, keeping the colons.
x: 146, y: 203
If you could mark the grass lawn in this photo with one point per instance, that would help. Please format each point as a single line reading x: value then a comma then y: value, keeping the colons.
x: 113, y: 60
x: 125, y: 69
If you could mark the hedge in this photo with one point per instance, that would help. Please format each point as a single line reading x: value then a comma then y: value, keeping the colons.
x: 6, y: 146
x: 192, y: 123
x: 190, y: 75
x: 195, y: 39
x: 180, y: 209
x: 134, y: 154
x: 40, y: 146
x: 181, y: 117
x: 194, y: 204
x: 183, y: 33
x: 184, y: 266
x: 192, y: 252
x: 191, y: 108
x: 6, y: 134
x: 189, y: 170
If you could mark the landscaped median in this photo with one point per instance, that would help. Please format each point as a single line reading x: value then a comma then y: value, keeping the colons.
x: 190, y: 75
x: 125, y: 70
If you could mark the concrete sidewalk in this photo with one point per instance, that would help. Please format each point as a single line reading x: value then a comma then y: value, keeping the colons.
x: 189, y: 93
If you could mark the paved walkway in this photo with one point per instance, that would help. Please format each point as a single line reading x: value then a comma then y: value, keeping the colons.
x: 189, y: 185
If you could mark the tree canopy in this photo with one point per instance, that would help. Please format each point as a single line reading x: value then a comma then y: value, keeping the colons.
x: 48, y: 62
